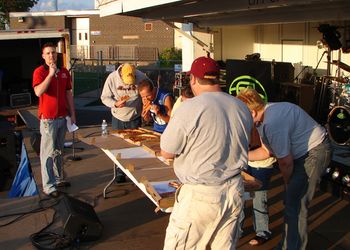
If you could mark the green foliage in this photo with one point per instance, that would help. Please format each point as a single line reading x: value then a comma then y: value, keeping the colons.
x: 169, y: 57
x: 7, y: 6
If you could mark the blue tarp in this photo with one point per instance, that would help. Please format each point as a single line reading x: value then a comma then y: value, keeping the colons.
x: 24, y: 183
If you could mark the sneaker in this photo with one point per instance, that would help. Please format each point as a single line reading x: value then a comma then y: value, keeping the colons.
x: 63, y: 184
x: 258, y: 240
x: 54, y: 194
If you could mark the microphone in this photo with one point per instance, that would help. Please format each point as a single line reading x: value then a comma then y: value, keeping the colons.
x: 57, y: 71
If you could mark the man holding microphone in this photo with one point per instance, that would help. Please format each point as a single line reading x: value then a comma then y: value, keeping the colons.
x: 53, y: 86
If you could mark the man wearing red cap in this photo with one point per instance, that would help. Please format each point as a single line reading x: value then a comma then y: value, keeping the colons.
x: 208, y: 139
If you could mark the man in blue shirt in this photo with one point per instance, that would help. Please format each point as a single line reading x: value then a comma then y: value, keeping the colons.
x: 157, y: 105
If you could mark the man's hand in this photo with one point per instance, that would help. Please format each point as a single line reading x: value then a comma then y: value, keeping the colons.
x: 145, y: 111
x: 155, y: 108
x: 286, y: 167
x: 52, y: 69
x: 73, y: 120
x: 120, y: 103
x: 146, y: 115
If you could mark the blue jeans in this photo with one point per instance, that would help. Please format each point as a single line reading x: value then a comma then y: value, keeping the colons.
x: 118, y: 124
x: 51, y: 149
x: 260, y: 204
x: 299, y: 192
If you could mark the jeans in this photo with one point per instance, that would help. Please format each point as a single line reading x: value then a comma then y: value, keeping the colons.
x: 260, y: 204
x: 299, y: 192
x: 51, y: 149
x: 118, y: 124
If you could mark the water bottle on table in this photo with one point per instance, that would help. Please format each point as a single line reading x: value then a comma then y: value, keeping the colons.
x: 104, y: 131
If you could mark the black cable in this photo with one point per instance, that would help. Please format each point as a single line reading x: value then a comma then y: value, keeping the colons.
x: 44, y: 240
x: 22, y: 214
x: 49, y: 240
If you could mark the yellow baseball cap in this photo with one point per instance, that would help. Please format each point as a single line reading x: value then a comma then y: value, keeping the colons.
x: 128, y: 73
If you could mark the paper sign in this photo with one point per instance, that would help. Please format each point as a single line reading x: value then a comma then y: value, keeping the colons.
x: 71, y: 127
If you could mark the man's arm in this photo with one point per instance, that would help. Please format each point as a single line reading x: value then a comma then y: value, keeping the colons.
x: 42, y: 87
x: 107, y: 96
x: 168, y: 104
x: 286, y: 166
x: 70, y: 102
x: 258, y: 154
x: 167, y: 155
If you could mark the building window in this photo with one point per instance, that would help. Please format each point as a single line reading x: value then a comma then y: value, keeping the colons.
x: 148, y: 26
x: 79, y: 36
x: 86, y: 36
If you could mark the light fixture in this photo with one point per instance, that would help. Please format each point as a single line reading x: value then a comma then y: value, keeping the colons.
x: 346, y: 180
x: 319, y: 44
x: 335, y: 174
x: 330, y: 36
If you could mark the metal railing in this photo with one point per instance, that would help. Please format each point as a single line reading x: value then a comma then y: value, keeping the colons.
x: 114, y: 53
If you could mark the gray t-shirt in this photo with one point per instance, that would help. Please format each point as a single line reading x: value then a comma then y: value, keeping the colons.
x: 287, y: 128
x: 114, y: 89
x: 209, y: 134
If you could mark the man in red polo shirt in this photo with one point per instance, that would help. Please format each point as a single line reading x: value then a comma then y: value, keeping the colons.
x: 53, y: 87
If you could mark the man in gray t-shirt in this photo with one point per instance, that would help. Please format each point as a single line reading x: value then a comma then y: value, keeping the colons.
x: 303, y: 152
x: 208, y: 138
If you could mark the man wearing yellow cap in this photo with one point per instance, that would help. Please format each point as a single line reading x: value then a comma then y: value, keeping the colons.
x: 120, y: 93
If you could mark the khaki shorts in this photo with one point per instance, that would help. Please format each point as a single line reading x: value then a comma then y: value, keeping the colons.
x: 206, y: 216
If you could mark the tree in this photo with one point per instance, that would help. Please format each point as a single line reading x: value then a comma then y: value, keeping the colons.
x: 170, y: 56
x: 7, y: 6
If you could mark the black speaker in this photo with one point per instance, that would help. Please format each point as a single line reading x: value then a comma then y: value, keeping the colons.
x: 9, y: 149
x: 283, y: 72
x: 260, y: 70
x: 79, y: 219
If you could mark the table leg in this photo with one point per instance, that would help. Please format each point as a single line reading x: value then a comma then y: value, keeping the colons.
x: 111, y: 182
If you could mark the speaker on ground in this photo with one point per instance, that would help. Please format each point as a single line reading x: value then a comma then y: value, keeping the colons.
x: 79, y: 219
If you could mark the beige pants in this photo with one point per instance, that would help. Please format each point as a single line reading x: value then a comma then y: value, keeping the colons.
x: 206, y: 217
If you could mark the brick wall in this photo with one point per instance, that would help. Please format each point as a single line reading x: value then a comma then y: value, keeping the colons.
x: 38, y: 22
x: 115, y: 30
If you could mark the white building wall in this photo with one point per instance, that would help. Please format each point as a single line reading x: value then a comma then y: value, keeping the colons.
x: 237, y: 41
x: 280, y: 42
x: 191, y: 49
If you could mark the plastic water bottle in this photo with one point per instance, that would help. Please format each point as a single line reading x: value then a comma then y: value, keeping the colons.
x: 104, y: 131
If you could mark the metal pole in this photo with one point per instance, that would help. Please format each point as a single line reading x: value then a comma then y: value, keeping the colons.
x: 73, y: 157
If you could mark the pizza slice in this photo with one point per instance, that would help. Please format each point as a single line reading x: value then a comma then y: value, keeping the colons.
x: 125, y: 98
x: 126, y: 133
x: 143, y: 137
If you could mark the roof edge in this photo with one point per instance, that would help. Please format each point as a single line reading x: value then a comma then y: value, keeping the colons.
x: 55, y: 13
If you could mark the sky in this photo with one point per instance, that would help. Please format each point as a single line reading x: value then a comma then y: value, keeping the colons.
x: 49, y: 5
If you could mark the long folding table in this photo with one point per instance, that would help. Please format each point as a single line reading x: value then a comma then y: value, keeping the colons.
x: 150, y: 173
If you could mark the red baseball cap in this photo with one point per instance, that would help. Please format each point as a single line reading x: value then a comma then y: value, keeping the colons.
x: 205, y: 68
